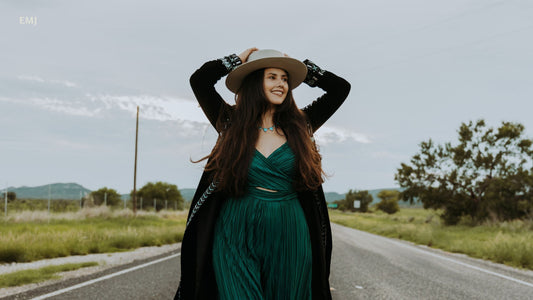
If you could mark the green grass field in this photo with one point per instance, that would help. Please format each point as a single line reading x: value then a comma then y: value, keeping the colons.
x: 33, y: 276
x: 510, y: 243
x: 30, y: 236
x: 34, y: 235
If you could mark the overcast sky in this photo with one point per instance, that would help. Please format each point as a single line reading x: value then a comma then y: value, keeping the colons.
x: 71, y: 78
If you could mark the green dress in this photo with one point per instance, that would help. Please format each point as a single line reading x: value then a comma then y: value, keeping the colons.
x: 262, y: 248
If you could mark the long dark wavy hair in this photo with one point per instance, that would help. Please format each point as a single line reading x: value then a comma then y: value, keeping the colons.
x: 231, y: 157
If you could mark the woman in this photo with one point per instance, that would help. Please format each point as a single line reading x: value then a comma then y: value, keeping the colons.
x: 258, y: 227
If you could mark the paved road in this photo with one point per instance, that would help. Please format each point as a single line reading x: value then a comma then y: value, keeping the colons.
x: 364, y: 266
x: 367, y: 266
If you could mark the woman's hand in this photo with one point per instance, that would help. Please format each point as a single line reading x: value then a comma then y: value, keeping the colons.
x: 244, y: 56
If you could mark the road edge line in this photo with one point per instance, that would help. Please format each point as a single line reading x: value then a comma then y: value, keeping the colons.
x: 86, y: 283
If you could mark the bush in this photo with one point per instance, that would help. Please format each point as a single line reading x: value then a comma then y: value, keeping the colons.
x: 389, y: 201
x: 388, y: 206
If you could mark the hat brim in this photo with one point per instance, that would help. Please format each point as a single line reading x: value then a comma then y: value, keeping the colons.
x: 295, y: 68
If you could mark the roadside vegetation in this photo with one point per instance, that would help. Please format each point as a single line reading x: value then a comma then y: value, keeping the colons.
x: 38, y: 275
x: 508, y: 242
x: 34, y: 235
x: 487, y: 175
x: 477, y: 195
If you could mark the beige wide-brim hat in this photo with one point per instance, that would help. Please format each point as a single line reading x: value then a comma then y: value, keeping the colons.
x: 267, y: 58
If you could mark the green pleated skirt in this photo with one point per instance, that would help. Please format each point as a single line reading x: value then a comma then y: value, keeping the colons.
x: 262, y: 248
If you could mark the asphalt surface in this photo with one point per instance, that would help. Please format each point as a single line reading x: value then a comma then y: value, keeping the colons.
x: 364, y: 266
x: 367, y: 266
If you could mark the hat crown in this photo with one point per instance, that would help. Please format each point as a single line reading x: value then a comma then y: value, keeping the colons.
x: 264, y: 53
x: 267, y: 58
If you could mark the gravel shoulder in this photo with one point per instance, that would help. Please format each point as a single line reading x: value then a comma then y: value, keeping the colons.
x: 104, y: 260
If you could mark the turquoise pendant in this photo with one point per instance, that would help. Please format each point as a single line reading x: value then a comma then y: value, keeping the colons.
x: 266, y: 129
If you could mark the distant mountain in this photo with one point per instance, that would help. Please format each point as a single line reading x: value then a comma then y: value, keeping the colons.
x: 333, y: 196
x: 69, y: 191
x: 73, y: 190
x: 376, y: 200
x: 187, y: 194
x: 375, y: 193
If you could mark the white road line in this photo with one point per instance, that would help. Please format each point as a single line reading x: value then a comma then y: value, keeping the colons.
x: 465, y: 264
x: 86, y: 283
x: 454, y: 261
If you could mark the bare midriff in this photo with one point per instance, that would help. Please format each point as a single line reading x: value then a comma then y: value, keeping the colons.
x: 268, y: 190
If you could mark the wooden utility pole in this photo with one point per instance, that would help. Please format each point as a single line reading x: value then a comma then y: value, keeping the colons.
x: 135, y: 168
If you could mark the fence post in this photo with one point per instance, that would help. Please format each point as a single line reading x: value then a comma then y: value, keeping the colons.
x: 5, y: 202
x: 49, y: 196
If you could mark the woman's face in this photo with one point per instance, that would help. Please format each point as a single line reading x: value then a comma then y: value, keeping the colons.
x: 275, y: 85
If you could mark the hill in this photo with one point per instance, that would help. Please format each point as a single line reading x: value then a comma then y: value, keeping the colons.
x: 70, y: 191
x: 74, y: 191
x: 187, y: 194
x: 333, y: 196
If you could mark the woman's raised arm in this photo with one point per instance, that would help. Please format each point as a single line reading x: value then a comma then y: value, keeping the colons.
x: 336, y: 88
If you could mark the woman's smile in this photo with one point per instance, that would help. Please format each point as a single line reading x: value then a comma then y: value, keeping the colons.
x: 275, y: 85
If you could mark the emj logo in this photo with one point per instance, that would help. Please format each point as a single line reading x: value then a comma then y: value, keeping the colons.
x: 28, y: 20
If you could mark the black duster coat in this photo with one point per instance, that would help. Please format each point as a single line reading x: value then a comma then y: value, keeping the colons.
x: 197, y: 274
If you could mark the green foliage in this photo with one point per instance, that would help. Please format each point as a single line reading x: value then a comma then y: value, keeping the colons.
x: 33, y: 276
x: 160, y: 192
x: 389, y: 201
x: 487, y: 174
x: 113, y: 198
x: 11, y: 196
x: 364, y: 197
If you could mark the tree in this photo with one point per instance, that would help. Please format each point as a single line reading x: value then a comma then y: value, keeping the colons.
x: 160, y: 192
x: 113, y: 198
x: 487, y: 173
x: 347, y: 203
x: 11, y: 196
x: 365, y: 198
x: 389, y: 201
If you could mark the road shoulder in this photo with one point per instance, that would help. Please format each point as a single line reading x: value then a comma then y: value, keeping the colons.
x: 108, y: 263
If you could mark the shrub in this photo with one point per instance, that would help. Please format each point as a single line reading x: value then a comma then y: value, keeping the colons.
x: 388, y: 206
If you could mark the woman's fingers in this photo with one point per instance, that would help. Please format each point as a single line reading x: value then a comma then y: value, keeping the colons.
x: 244, y: 55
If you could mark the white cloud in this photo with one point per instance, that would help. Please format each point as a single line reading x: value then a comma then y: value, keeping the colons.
x: 34, y: 78
x: 30, y: 78
x: 186, y: 114
x: 332, y: 134
x: 153, y: 107
x: 65, y: 83
x: 75, y: 108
